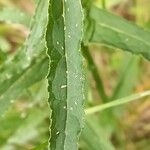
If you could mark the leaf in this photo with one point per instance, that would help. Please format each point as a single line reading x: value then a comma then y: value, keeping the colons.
x: 36, y: 38
x: 66, y: 87
x: 13, y: 87
x: 118, y: 32
x: 21, y: 120
x: 18, y: 73
x: 27, y: 125
x: 93, y: 136
x: 10, y: 15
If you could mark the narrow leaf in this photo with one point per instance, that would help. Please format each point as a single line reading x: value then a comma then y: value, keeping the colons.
x: 36, y: 38
x: 18, y: 73
x: 26, y: 126
x: 13, y: 87
x: 66, y: 92
x: 120, y: 101
x: 94, y: 136
x: 118, y: 32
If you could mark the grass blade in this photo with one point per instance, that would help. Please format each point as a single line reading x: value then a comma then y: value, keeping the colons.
x: 118, y: 102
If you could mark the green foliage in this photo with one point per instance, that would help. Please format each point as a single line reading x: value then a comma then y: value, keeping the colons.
x: 65, y: 78
x: 93, y: 130
x: 20, y: 71
x: 51, y: 58
x: 117, y: 32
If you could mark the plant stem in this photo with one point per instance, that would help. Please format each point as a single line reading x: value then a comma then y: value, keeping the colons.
x: 118, y: 102
x: 92, y: 67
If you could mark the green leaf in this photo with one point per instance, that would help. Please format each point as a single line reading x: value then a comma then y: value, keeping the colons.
x: 18, y: 73
x: 36, y: 38
x: 93, y: 136
x: 66, y: 88
x: 13, y: 84
x: 27, y: 125
x: 118, y: 32
x: 21, y: 121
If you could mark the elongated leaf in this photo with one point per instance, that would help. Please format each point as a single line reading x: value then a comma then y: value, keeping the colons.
x: 36, y: 38
x: 21, y: 124
x: 20, y: 71
x: 66, y: 92
x: 120, y: 101
x: 26, y: 126
x: 93, y: 136
x: 20, y: 81
x: 117, y: 32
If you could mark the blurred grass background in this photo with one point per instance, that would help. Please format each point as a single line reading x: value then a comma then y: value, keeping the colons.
x: 26, y: 124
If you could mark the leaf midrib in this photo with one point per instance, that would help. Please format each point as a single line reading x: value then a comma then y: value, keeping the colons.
x: 21, y: 75
x: 122, y: 32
